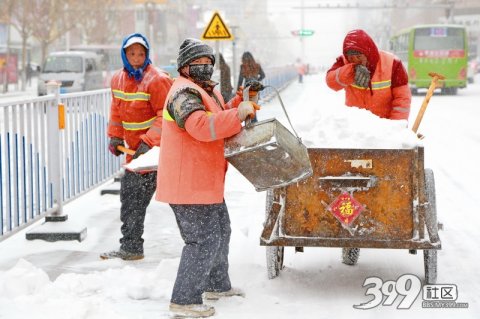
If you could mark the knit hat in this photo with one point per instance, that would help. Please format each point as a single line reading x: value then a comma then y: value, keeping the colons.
x: 192, y: 49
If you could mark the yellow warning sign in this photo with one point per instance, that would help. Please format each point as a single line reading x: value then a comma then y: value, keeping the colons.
x: 217, y: 29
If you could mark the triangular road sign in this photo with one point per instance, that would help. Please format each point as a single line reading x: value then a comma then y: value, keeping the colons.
x: 217, y: 29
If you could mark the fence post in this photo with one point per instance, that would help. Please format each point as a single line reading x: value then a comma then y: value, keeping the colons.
x: 56, y: 226
x: 55, y: 167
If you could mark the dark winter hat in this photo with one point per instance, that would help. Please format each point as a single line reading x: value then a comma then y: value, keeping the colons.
x: 192, y: 49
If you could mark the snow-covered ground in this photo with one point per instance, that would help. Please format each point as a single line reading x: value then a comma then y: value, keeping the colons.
x: 68, y: 280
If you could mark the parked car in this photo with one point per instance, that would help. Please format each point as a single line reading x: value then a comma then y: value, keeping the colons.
x: 76, y: 71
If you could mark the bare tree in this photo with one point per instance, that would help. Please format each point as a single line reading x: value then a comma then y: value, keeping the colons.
x: 107, y: 17
x: 54, y: 19
x: 7, y: 10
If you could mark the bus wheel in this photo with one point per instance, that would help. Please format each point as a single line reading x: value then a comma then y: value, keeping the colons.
x: 414, y: 91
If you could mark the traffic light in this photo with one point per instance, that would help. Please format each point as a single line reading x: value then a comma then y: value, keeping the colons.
x: 303, y: 33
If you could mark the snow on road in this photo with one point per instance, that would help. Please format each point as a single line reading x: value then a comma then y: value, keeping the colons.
x: 67, y: 279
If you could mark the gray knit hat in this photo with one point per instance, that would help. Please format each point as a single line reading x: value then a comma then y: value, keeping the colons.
x: 192, y: 49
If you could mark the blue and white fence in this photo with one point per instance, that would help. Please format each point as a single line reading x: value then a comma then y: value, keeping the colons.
x: 43, y: 166
x: 279, y: 78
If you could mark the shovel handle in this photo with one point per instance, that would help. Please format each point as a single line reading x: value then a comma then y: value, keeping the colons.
x: 125, y: 150
x: 433, y: 85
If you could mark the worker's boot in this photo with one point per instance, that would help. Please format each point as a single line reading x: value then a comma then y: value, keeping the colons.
x: 122, y: 254
x: 191, y: 311
x: 215, y: 295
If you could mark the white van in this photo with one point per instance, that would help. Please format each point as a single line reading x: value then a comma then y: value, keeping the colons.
x: 76, y: 71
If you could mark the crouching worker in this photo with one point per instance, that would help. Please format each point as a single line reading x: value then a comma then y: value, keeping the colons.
x: 191, y: 178
x: 372, y: 79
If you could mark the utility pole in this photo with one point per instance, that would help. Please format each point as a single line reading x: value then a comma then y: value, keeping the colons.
x: 234, y: 53
x: 302, y: 27
x: 148, y: 5
x: 7, y: 59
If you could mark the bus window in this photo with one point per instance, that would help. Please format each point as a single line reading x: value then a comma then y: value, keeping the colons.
x: 433, y: 39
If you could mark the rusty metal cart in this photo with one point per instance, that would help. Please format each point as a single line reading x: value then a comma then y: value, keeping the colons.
x: 356, y: 198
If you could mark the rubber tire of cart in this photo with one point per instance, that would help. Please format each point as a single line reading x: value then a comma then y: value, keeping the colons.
x: 274, y: 254
x: 268, y: 202
x: 274, y: 260
x: 350, y: 256
x: 430, y: 263
x: 430, y: 255
x: 431, y: 211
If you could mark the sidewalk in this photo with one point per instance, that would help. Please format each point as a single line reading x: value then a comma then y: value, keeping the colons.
x: 14, y: 92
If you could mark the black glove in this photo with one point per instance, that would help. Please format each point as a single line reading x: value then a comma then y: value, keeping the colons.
x: 254, y: 85
x: 362, y: 76
x: 114, y: 143
x: 142, y: 149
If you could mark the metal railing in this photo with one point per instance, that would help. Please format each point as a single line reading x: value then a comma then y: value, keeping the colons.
x: 42, y: 165
x: 277, y: 77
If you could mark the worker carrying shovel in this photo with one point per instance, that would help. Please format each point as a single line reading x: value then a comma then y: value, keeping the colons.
x: 139, y: 91
x: 372, y: 79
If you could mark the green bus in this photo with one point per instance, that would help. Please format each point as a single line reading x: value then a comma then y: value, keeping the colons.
x: 440, y: 48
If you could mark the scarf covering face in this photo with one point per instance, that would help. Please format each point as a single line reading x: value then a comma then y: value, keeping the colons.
x: 138, y: 73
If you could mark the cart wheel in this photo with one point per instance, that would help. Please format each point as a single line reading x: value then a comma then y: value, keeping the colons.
x: 431, y: 212
x: 350, y: 255
x: 268, y: 202
x: 274, y: 260
x: 430, y: 263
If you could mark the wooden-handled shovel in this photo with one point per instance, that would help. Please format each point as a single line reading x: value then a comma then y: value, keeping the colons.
x: 125, y: 150
x: 433, y: 86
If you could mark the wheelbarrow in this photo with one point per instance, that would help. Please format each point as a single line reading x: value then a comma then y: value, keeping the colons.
x: 356, y: 198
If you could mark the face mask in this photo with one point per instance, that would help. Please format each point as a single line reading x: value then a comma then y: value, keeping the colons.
x: 201, y: 72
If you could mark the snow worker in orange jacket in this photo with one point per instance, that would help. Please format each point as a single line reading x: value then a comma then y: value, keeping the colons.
x: 191, y: 177
x: 138, y: 95
x: 372, y: 79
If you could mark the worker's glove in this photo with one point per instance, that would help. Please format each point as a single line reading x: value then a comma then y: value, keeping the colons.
x: 239, y: 92
x: 247, y: 108
x: 362, y: 76
x: 142, y: 149
x: 254, y: 85
x: 114, y: 143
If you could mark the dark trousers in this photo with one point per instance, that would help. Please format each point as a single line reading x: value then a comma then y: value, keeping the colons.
x: 205, y: 229
x: 136, y: 191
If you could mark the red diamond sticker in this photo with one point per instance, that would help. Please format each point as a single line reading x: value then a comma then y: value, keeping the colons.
x: 345, y: 208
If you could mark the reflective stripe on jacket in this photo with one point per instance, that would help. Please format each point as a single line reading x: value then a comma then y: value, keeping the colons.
x: 382, y: 99
x: 192, y: 166
x: 136, y: 109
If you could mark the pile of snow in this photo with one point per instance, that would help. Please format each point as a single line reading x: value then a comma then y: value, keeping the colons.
x: 335, y: 127
x: 352, y: 127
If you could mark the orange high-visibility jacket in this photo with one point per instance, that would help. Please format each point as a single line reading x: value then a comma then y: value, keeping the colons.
x: 192, y: 166
x: 381, y: 99
x: 136, y: 108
